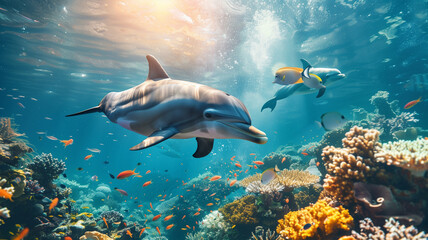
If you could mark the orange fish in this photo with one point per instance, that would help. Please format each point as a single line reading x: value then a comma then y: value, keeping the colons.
x: 148, y: 171
x: 215, y: 178
x: 105, y: 221
x: 233, y: 182
x: 212, y: 194
x: 287, y: 200
x: 258, y: 162
x: 183, y: 217
x: 210, y: 204
x: 238, y: 165
x: 318, y: 163
x: 246, y: 171
x: 255, y: 167
x: 206, y: 189
x: 196, y: 214
x: 141, y: 232
x: 252, y: 154
x: 151, y: 206
x: 232, y: 158
x: 305, y: 154
x: 67, y: 142
x: 87, y: 157
x: 235, y: 175
x: 157, y: 229
x: 53, y: 204
x: 126, y: 174
x: 5, y: 194
x: 22, y: 234
x: 140, y: 205
x: 168, y: 217
x: 169, y: 226
x: 283, y: 159
x: 68, y: 238
x: 412, y: 103
x: 206, y: 177
x: 188, y: 226
x: 128, y: 233
x: 147, y: 183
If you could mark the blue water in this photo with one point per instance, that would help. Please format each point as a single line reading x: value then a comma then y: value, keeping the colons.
x: 68, y: 55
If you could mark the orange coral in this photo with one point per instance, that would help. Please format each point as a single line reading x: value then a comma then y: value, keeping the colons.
x: 325, y: 222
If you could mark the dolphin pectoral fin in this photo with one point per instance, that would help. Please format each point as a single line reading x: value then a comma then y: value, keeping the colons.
x: 205, y: 145
x: 156, y: 71
x: 321, y: 92
x: 269, y: 104
x: 155, y: 138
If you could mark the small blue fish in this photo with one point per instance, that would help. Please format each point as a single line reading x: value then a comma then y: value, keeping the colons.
x: 307, y: 226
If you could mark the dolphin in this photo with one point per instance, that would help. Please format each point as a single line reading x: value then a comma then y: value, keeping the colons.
x: 162, y: 108
x: 328, y: 76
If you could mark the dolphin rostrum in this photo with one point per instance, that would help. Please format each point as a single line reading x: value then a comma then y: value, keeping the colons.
x: 328, y: 76
x: 163, y: 108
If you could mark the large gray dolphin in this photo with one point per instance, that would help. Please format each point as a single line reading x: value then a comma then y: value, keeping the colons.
x: 329, y: 76
x: 163, y: 108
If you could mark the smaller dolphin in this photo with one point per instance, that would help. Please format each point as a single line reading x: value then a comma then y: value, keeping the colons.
x: 312, y: 80
x: 329, y: 76
x: 163, y: 108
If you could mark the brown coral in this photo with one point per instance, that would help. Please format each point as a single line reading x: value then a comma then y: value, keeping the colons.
x: 6, y: 131
x: 354, y: 162
x: 241, y: 212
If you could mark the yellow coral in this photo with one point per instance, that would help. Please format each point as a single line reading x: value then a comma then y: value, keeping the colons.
x: 325, y: 221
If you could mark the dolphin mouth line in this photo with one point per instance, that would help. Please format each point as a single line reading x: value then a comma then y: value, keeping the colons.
x: 339, y: 75
x: 254, y: 135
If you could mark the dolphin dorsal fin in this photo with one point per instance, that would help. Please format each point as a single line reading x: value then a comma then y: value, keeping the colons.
x: 156, y: 71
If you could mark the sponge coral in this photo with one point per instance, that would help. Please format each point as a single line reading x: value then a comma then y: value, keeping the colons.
x: 241, y: 212
x: 325, y: 222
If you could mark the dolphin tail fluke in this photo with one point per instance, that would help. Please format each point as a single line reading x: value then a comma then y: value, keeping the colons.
x: 321, y: 92
x: 269, y: 104
x: 205, y: 145
x: 90, y: 110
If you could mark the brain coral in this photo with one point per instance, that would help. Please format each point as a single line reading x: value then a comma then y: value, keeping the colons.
x: 241, y: 212
x: 326, y: 222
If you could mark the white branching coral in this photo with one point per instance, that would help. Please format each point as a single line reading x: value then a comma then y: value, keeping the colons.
x: 212, y: 227
x: 411, y: 155
x: 259, y: 187
x: 4, y: 213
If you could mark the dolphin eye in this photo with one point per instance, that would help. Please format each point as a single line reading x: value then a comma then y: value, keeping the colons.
x: 208, y: 115
x: 227, y: 94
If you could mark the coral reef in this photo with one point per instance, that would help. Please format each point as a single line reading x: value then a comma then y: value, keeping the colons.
x: 354, y: 162
x: 307, y: 195
x: 111, y: 216
x: 275, y: 159
x: 288, y: 179
x: 411, y: 155
x: 213, y: 226
x: 11, y: 147
x: 46, y: 169
x: 260, y: 234
x: 6, y: 192
x: 394, y: 230
x: 325, y: 222
x: 95, y: 236
x: 241, y: 211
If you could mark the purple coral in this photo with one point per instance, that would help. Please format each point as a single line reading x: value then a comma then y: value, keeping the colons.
x: 46, y: 168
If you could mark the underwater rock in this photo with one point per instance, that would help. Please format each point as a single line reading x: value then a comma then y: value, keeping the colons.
x: 46, y: 169
x: 378, y: 202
